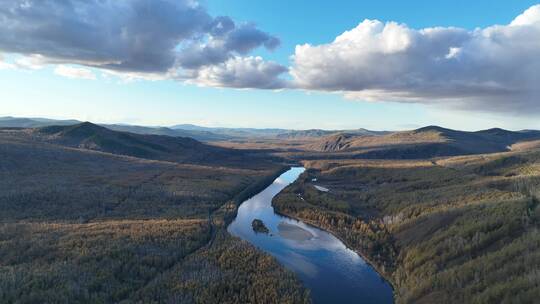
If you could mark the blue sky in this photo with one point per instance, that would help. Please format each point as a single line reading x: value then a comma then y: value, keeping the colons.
x: 43, y: 93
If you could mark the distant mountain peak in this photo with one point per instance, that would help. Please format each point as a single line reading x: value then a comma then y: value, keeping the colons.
x: 497, y: 132
x: 433, y: 128
x: 81, y: 130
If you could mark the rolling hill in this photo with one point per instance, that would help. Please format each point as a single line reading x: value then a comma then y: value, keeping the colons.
x: 157, y: 147
x: 426, y: 142
x: 430, y: 141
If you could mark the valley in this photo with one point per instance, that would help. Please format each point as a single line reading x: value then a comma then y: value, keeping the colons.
x: 269, y: 152
x: 89, y: 214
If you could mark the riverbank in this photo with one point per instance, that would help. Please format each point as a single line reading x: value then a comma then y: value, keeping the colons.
x: 229, y: 211
x: 333, y: 272
x: 366, y: 258
x: 258, y: 186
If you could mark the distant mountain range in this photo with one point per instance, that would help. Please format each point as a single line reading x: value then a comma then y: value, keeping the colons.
x: 22, y: 122
x: 184, y: 140
x: 200, y: 135
x: 188, y: 130
x: 314, y: 133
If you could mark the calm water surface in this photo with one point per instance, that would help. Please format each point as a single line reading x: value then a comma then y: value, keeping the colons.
x: 333, y: 273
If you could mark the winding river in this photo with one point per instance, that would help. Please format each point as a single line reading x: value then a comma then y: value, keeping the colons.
x: 333, y: 272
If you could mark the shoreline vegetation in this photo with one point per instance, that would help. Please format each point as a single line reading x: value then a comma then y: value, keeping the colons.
x: 366, y: 258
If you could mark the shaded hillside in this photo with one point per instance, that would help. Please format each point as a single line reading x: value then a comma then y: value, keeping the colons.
x: 41, y: 179
x: 425, y: 142
x: 332, y: 143
x: 176, y: 149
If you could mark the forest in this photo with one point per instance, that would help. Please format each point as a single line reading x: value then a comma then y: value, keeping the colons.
x: 84, y: 226
x: 448, y: 230
x: 81, y: 222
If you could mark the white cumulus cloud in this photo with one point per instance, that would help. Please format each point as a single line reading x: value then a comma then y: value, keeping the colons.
x: 240, y: 72
x: 496, y: 68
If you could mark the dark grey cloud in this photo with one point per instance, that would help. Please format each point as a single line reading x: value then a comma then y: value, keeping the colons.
x: 221, y: 25
x: 226, y: 40
x: 247, y: 37
x: 119, y: 35
x: 196, y: 55
x: 126, y: 36
x: 496, y: 68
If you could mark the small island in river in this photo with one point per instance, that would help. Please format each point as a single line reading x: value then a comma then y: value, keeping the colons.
x: 259, y: 227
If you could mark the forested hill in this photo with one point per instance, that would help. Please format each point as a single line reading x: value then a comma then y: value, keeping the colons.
x: 157, y: 147
x: 462, y: 229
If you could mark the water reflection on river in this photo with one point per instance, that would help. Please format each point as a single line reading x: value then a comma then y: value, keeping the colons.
x: 333, y: 273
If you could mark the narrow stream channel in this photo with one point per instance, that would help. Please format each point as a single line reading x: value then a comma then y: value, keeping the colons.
x: 333, y: 272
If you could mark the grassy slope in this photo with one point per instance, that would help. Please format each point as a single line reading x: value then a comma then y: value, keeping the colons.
x: 85, y: 226
x: 457, y: 230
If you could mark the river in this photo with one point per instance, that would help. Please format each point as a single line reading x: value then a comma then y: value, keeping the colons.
x: 332, y: 272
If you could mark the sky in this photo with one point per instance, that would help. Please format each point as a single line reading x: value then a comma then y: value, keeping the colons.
x: 382, y: 65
